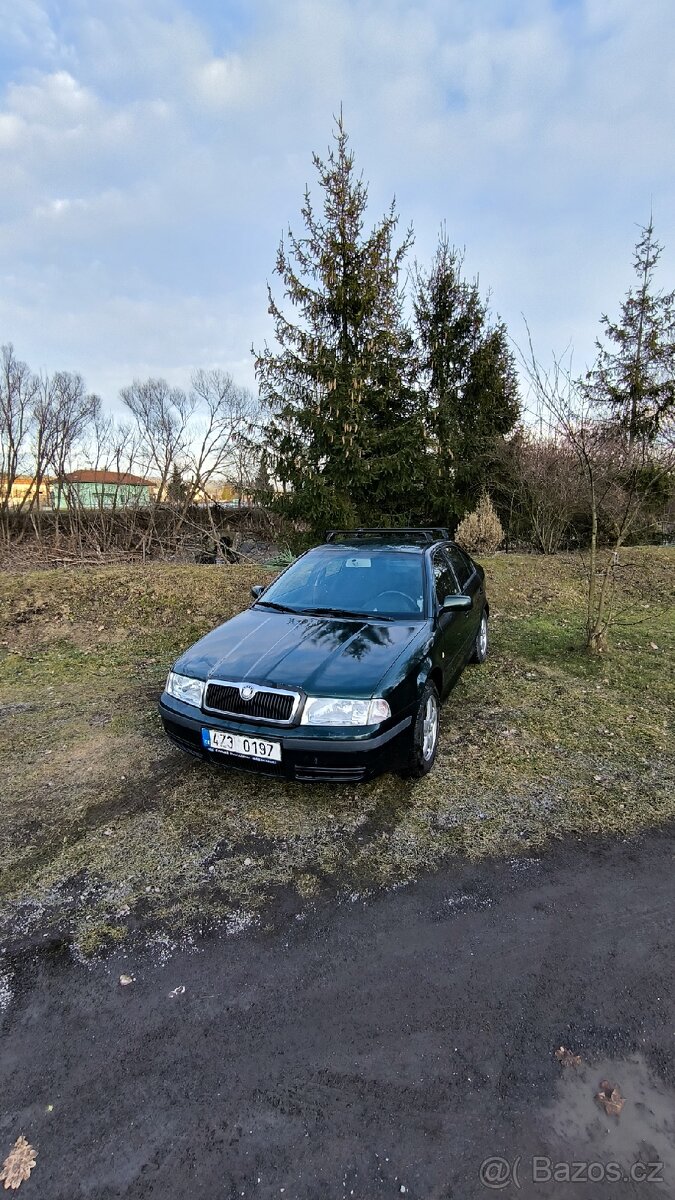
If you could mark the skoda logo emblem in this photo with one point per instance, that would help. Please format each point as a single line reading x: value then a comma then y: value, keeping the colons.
x: 247, y: 692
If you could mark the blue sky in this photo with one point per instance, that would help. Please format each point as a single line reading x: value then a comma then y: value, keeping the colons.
x: 152, y: 153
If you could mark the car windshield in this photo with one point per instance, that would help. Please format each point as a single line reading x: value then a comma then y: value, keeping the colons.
x: 344, y: 580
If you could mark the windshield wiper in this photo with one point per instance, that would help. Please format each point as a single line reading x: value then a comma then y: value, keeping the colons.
x: 344, y: 612
x: 277, y: 607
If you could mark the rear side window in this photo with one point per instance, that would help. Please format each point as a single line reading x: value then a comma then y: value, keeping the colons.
x: 462, y: 568
x: 444, y: 577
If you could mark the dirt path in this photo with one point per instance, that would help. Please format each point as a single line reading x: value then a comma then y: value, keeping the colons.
x: 377, y: 1047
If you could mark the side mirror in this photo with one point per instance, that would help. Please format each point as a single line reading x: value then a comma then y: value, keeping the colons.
x: 453, y: 602
x: 257, y: 590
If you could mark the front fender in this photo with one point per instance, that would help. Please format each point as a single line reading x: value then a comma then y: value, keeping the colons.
x: 425, y: 669
x: 405, y: 681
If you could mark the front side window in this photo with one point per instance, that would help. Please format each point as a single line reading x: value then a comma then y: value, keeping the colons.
x: 460, y: 565
x: 363, y: 580
x: 444, y: 577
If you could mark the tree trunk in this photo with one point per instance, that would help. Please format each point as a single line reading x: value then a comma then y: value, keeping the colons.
x: 591, y: 634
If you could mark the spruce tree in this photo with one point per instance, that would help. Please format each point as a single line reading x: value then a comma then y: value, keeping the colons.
x: 176, y: 489
x: 345, y: 435
x: 634, y: 374
x: 469, y: 379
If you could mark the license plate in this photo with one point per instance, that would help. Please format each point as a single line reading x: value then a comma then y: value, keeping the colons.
x: 242, y: 747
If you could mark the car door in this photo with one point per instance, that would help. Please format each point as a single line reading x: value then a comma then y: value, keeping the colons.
x: 471, y: 584
x: 451, y: 626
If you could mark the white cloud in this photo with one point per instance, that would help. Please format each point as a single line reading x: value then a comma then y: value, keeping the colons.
x: 58, y: 207
x: 54, y: 99
x: 221, y: 81
x: 150, y: 158
x: 27, y: 29
x: 10, y: 131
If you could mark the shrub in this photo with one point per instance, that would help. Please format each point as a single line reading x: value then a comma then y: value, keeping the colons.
x: 481, y: 531
x: 283, y: 559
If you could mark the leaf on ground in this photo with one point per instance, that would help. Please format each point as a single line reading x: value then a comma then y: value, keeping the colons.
x: 566, y: 1058
x: 18, y: 1164
x: 610, y: 1098
x: 125, y: 980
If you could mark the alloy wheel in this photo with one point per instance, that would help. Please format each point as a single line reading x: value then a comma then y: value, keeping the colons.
x: 429, y: 728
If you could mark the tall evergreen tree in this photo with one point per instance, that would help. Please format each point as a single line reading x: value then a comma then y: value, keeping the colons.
x: 345, y: 433
x: 634, y: 374
x: 176, y: 489
x: 469, y: 378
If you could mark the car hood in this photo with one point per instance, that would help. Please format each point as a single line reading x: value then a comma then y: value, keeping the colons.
x: 324, y: 656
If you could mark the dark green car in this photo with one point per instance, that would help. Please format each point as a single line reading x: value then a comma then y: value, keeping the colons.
x: 338, y: 668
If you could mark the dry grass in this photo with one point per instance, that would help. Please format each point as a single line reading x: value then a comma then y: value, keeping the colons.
x: 105, y: 828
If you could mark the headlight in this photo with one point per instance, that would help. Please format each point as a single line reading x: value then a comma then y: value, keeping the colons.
x: 184, y: 688
x: 321, y: 711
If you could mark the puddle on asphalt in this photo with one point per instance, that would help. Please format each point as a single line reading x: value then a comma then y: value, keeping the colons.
x: 643, y: 1133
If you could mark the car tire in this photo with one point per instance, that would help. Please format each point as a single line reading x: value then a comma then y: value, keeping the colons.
x: 424, y: 745
x: 480, y: 646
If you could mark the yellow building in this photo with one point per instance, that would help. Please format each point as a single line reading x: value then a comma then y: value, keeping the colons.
x: 213, y: 492
x: 216, y: 491
x: 22, y: 492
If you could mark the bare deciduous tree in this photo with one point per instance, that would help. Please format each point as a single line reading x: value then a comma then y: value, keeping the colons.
x: 72, y: 409
x: 224, y: 414
x: 162, y: 415
x: 181, y: 443
x: 112, y: 445
x: 187, y: 441
x: 18, y: 387
x: 539, y: 486
x: 619, y: 477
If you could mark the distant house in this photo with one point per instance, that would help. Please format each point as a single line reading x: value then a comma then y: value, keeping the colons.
x: 21, y: 493
x: 215, y: 492
x: 100, y: 489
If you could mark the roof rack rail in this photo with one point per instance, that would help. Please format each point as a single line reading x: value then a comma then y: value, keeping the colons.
x: 423, y: 533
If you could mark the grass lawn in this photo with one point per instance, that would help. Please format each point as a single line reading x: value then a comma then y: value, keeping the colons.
x: 105, y: 829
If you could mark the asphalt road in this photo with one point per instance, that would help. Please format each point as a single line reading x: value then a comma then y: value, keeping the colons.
x: 371, y: 1048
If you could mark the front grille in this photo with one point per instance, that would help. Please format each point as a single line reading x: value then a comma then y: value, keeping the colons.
x: 265, y: 705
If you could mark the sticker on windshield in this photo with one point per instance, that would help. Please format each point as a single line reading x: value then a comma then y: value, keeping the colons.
x: 357, y: 562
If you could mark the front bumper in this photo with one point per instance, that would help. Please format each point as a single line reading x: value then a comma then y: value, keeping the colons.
x: 306, y: 753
